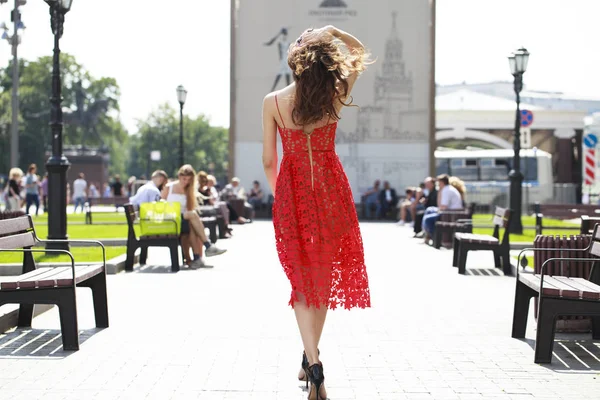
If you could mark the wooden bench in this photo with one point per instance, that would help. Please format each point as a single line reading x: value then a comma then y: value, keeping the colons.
x: 50, y: 285
x: 558, y: 296
x: 465, y: 242
x: 143, y: 242
x: 561, y: 211
x: 451, y: 222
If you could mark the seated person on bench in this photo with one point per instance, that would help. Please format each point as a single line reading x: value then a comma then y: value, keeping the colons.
x: 449, y: 199
x: 183, y: 191
x: 151, y: 190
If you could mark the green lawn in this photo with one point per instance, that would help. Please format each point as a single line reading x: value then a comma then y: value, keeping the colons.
x: 76, y: 229
x: 98, y: 217
x: 528, y: 234
x: 81, y: 254
x: 96, y: 231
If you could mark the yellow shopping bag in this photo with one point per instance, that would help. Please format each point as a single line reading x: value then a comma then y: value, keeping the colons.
x: 160, y: 218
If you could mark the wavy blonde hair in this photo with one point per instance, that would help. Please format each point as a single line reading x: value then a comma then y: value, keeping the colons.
x: 190, y: 190
x: 458, y: 185
x: 321, y: 67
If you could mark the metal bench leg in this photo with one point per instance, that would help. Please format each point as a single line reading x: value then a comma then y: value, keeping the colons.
x: 506, y: 267
x: 174, y: 249
x: 25, y: 315
x: 497, y: 260
x: 544, y: 338
x: 213, y: 233
x: 130, y: 257
x: 596, y: 328
x: 67, y: 309
x: 98, y: 286
x: 462, y: 259
x: 456, y: 249
x: 437, y: 237
x: 143, y: 255
x: 523, y: 295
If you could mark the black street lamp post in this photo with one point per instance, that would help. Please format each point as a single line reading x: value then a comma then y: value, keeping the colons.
x: 181, y: 96
x: 57, y: 165
x: 518, y: 65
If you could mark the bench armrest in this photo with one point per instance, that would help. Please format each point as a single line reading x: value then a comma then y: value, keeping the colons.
x: 96, y: 242
x: 57, y: 251
x: 544, y: 249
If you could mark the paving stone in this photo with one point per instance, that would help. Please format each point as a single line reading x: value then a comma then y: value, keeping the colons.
x: 227, y: 333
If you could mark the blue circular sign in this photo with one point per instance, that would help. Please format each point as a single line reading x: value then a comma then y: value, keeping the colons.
x: 590, y: 140
x: 526, y: 118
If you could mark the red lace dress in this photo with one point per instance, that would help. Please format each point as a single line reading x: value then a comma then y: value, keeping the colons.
x: 316, y: 228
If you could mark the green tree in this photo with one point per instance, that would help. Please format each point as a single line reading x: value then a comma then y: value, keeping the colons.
x: 205, y: 146
x: 34, y: 98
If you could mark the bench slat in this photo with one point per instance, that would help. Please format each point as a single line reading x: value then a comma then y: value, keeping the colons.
x: 564, y: 289
x: 476, y: 238
x: 14, y: 225
x: 84, y: 273
x: 45, y: 280
x: 585, y: 292
x: 52, y: 277
x: 562, y: 286
x: 17, y: 241
x: 533, y: 281
x: 12, y: 282
x: 64, y: 278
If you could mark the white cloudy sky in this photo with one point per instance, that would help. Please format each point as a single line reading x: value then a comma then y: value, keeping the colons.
x: 151, y: 46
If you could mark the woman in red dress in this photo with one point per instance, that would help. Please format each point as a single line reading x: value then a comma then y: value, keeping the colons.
x: 316, y: 228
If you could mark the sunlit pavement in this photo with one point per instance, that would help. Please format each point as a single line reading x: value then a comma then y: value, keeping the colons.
x: 227, y: 333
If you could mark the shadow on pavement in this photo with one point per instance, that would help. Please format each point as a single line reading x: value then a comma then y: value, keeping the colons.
x: 484, y: 272
x: 165, y: 269
x: 572, y: 352
x: 32, y: 343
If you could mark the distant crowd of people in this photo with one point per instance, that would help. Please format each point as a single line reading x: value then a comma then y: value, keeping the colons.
x: 421, y: 206
x: 197, y: 193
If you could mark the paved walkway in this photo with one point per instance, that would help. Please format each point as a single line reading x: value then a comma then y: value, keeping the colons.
x: 227, y: 333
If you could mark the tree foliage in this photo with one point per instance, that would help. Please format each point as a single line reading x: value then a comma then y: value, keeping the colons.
x: 205, y: 146
x: 34, y: 98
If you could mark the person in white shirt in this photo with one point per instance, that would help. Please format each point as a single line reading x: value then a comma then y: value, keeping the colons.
x: 79, y: 192
x: 151, y: 190
x: 448, y: 199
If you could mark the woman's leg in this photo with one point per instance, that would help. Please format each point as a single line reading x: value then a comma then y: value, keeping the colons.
x: 185, y: 246
x: 196, y: 225
x: 195, y: 243
x: 37, y: 203
x: 310, y: 322
x: 29, y: 202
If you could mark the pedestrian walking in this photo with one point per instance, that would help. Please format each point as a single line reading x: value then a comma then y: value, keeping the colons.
x: 316, y: 227
x: 32, y: 189
x: 80, y: 187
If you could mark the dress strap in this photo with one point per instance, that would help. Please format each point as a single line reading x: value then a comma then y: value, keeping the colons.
x: 279, y: 112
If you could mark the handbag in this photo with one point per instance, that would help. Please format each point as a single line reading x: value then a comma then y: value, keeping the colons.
x: 160, y: 218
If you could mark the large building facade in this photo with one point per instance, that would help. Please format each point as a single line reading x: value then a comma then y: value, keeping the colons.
x: 389, y: 135
x: 483, y: 115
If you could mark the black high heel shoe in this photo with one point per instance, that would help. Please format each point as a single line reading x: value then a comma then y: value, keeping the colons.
x: 316, y: 377
x: 305, y: 367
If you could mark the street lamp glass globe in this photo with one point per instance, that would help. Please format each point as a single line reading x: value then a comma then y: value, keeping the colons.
x: 522, y: 58
x: 181, y: 94
x: 512, y: 62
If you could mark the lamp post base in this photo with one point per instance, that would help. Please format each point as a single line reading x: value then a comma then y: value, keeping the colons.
x: 516, y: 199
x: 57, y: 201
